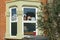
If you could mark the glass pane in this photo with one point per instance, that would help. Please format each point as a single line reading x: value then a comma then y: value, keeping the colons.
x: 29, y: 28
x: 14, y: 28
x: 30, y: 14
x: 13, y: 15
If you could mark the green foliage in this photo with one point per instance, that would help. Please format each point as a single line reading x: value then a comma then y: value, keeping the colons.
x: 53, y: 23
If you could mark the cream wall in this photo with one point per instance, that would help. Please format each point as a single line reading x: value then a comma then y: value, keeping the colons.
x: 19, y: 5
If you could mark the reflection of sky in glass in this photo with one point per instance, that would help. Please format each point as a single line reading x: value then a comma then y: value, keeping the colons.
x: 29, y: 10
x: 13, y: 11
x: 14, y: 16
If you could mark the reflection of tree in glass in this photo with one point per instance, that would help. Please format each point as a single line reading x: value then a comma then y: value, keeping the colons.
x: 32, y: 14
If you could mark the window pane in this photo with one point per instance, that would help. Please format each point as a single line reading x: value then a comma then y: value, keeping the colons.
x: 30, y: 14
x: 29, y: 28
x: 14, y: 28
x: 13, y: 15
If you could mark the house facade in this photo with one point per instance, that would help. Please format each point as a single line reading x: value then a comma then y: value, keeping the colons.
x: 19, y: 18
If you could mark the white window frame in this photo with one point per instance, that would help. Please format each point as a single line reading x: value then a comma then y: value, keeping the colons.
x: 12, y: 21
x: 29, y: 21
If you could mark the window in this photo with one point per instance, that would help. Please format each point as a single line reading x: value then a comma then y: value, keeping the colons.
x: 13, y: 21
x: 29, y: 14
x: 29, y: 20
x: 29, y: 28
x: 14, y: 28
x: 13, y: 14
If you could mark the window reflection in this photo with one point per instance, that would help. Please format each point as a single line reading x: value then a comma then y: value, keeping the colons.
x: 29, y: 14
x: 13, y: 15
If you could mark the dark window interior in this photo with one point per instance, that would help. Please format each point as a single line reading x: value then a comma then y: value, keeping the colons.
x: 14, y: 28
x: 30, y: 27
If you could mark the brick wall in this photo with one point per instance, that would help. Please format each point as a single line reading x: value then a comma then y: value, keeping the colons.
x: 2, y: 19
x: 43, y: 1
